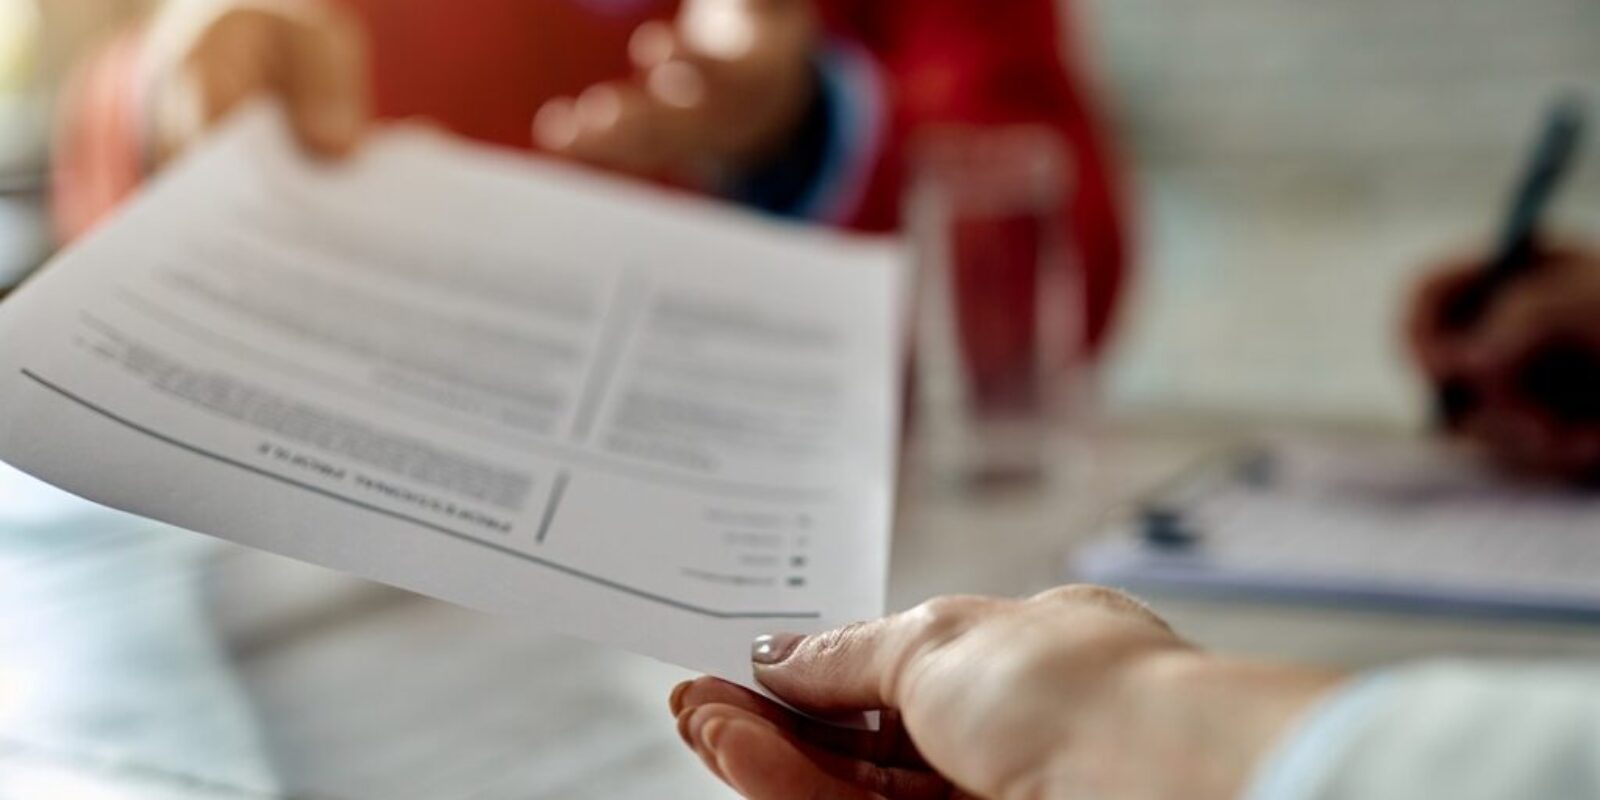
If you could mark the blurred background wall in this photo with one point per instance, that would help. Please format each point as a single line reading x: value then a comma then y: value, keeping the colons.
x: 1298, y: 160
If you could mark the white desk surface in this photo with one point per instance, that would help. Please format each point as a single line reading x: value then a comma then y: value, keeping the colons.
x: 141, y: 662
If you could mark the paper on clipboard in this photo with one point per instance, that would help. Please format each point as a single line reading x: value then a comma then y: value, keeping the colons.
x: 1394, y: 523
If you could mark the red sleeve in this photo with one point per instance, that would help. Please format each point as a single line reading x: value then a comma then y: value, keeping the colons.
x: 992, y: 62
x: 98, y: 156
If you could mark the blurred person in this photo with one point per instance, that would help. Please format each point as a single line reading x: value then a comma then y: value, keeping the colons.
x: 1526, y: 378
x: 798, y: 107
x: 1084, y: 693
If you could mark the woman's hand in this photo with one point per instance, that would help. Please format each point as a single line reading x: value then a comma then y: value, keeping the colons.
x: 724, y: 85
x: 307, y: 53
x: 1080, y: 692
x: 1524, y: 382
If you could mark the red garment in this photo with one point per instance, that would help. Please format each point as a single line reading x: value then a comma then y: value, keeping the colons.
x: 995, y: 62
x: 483, y: 67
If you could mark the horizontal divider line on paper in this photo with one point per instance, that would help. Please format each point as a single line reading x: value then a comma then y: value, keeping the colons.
x: 503, y: 550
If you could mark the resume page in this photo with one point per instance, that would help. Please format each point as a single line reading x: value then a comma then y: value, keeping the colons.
x: 615, y: 411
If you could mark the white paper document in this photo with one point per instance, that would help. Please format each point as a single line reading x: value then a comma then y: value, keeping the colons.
x: 614, y: 411
x: 1396, y: 523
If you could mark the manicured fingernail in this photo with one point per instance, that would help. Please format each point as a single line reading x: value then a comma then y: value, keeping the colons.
x: 775, y: 648
x: 675, y: 700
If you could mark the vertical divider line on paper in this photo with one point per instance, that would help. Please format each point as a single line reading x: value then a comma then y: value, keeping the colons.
x: 614, y: 334
x: 558, y: 490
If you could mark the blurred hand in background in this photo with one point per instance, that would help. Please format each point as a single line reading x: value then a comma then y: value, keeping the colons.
x: 804, y: 109
x: 724, y: 84
x: 1525, y: 381
x: 309, y: 55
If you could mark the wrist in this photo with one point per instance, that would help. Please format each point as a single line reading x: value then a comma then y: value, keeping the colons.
x: 825, y: 158
x: 1215, y: 719
x: 794, y: 106
x: 779, y: 176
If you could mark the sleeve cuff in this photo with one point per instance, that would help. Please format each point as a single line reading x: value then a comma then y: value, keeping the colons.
x: 1304, y: 762
x: 824, y: 172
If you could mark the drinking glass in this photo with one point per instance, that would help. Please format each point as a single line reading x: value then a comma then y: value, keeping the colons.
x: 999, y: 369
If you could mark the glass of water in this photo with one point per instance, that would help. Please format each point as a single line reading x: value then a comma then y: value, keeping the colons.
x: 1000, y: 367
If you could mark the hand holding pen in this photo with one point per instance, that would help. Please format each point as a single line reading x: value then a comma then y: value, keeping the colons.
x: 1512, y: 344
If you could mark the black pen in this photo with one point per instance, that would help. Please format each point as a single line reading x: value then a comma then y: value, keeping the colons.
x: 1549, y: 164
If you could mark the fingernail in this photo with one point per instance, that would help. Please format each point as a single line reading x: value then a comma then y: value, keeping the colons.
x: 683, y: 730
x: 774, y: 648
x: 675, y: 700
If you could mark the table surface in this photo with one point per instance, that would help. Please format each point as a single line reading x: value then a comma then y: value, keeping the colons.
x: 139, y: 661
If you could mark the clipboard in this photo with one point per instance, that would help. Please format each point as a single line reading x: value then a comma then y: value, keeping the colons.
x: 1400, y: 525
